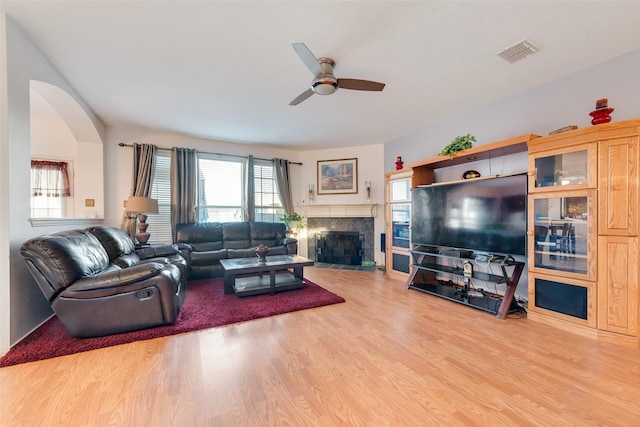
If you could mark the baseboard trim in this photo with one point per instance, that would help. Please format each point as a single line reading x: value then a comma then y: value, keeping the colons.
x: 4, y: 351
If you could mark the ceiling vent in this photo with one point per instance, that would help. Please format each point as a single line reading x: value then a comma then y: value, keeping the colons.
x: 519, y: 51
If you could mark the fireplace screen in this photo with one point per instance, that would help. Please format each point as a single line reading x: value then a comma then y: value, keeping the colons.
x: 339, y: 247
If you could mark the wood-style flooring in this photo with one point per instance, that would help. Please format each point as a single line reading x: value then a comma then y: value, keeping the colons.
x: 387, y: 357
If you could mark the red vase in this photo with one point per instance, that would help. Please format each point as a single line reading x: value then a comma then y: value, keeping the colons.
x: 601, y: 115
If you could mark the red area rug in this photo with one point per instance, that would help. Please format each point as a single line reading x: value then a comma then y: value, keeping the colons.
x: 206, y: 306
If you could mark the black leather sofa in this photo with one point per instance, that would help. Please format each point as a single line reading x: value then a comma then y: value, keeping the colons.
x: 98, y: 284
x: 204, y: 244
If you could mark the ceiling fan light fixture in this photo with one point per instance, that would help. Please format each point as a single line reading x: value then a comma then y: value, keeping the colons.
x: 324, y: 85
x: 324, y: 82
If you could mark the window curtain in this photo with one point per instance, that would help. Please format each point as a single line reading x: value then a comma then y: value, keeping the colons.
x: 281, y: 168
x: 184, y: 184
x: 144, y: 157
x: 50, y: 179
x: 249, y: 190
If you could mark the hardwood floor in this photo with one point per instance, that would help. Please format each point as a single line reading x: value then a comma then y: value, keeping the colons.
x: 388, y: 356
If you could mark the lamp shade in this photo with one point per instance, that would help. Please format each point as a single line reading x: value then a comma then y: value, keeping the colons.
x: 142, y: 205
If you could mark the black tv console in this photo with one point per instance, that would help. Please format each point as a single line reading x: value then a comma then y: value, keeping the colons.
x: 444, y: 272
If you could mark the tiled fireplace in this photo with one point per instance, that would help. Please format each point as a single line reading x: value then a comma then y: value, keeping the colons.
x: 361, y: 227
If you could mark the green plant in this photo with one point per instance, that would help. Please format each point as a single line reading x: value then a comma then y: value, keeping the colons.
x: 458, y: 144
x: 294, y: 217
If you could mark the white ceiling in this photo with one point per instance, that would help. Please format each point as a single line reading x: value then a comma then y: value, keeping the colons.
x: 225, y: 70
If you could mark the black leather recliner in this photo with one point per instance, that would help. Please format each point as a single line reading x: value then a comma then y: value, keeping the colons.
x: 99, y: 285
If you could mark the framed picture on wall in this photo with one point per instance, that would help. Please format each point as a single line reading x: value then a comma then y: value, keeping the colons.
x: 338, y: 176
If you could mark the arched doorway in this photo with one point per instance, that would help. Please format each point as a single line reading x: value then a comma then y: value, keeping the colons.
x: 61, y: 131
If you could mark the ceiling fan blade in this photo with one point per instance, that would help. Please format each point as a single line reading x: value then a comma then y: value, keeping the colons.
x: 304, y: 95
x: 308, y: 58
x: 356, y: 84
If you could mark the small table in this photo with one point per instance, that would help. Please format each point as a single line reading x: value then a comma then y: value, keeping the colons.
x: 262, y: 284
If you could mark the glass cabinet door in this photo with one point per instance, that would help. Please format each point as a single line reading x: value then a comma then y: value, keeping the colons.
x: 400, y: 217
x: 562, y: 233
x: 567, y: 168
x: 400, y: 190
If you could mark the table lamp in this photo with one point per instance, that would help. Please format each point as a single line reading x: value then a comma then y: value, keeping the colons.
x: 142, y: 206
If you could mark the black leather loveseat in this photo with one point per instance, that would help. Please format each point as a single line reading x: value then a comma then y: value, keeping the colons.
x: 204, y: 244
x: 98, y: 284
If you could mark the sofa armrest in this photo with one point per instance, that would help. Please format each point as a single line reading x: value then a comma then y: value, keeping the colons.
x: 181, y: 246
x: 291, y: 244
x: 156, y: 251
x: 117, y: 278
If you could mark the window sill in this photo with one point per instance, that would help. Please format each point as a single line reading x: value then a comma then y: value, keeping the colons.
x: 48, y: 222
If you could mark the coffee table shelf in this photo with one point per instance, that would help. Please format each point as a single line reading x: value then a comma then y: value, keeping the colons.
x: 248, y: 276
x: 256, y: 285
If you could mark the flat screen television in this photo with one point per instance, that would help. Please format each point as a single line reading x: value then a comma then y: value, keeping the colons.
x: 482, y: 215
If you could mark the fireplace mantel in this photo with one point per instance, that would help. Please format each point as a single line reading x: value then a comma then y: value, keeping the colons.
x: 362, y: 210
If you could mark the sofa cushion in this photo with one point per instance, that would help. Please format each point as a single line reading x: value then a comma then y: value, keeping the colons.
x: 207, y: 246
x: 267, y: 233
x: 242, y: 253
x: 64, y: 257
x: 208, y: 257
x: 125, y: 261
x: 115, y: 241
x: 200, y: 232
x: 236, y: 235
x: 278, y: 250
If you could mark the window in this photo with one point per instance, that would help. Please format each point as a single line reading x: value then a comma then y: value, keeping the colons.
x: 220, y: 189
x: 50, y: 189
x: 267, y: 201
x: 160, y: 224
x: 220, y: 193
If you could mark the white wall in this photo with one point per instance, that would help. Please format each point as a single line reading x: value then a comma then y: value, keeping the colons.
x: 566, y: 101
x: 22, y: 306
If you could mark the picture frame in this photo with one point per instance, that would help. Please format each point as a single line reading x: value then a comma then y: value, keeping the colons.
x: 338, y: 176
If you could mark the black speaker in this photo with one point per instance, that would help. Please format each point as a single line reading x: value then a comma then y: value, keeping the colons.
x: 383, y: 242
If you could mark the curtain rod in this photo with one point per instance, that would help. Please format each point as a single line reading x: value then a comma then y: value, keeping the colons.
x: 122, y: 144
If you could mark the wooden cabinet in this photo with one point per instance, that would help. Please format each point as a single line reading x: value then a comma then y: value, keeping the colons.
x: 562, y: 233
x: 398, y: 223
x: 565, y: 168
x: 591, y: 177
x: 619, y: 187
x: 618, y: 285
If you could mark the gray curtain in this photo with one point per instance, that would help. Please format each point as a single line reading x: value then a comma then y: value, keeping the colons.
x: 144, y: 161
x: 281, y: 168
x: 184, y: 184
x: 249, y: 191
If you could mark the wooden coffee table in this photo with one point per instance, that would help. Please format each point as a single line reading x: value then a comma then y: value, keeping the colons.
x: 284, y: 273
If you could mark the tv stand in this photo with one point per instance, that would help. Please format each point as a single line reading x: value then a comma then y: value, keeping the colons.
x: 444, y: 272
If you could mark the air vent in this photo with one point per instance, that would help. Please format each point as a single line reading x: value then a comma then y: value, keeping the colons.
x: 519, y: 51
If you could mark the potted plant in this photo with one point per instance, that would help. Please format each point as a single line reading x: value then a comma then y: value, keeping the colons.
x: 458, y: 144
x: 293, y: 221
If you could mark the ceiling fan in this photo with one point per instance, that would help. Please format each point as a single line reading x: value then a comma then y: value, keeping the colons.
x: 325, y: 82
